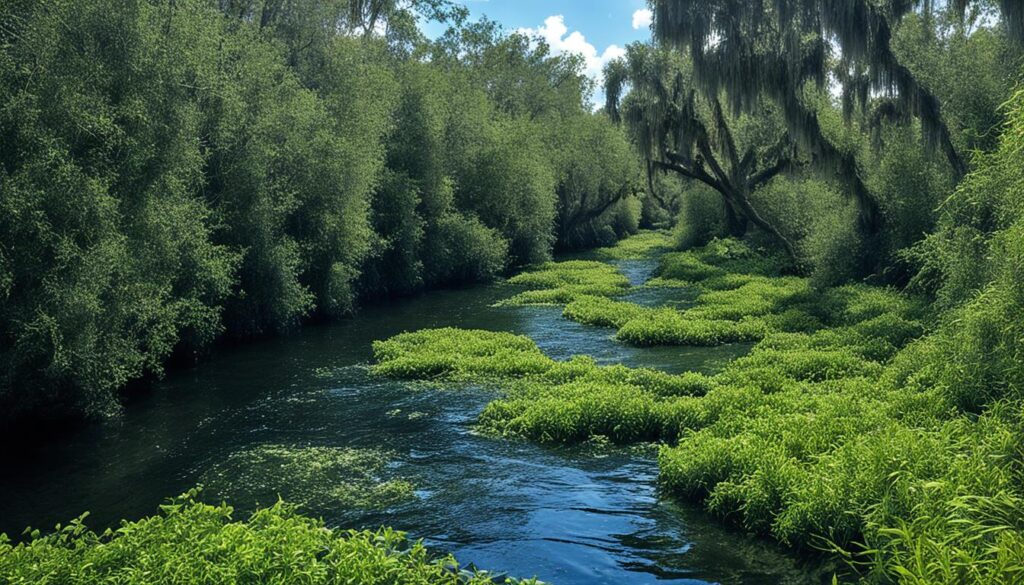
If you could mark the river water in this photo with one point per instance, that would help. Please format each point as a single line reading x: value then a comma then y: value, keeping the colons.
x: 567, y: 516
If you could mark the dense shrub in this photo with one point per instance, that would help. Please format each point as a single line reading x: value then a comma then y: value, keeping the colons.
x: 192, y: 542
x: 172, y: 173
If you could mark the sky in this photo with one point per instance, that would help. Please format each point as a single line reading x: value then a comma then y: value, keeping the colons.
x: 598, y: 30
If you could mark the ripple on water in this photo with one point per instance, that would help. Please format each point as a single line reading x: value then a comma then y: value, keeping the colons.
x: 570, y: 516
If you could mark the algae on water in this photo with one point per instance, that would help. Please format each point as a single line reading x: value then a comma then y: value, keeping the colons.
x: 317, y: 478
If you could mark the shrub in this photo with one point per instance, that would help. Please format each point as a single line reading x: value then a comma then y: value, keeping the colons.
x: 191, y: 542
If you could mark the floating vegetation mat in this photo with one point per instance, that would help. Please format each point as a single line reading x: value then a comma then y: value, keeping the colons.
x: 316, y: 478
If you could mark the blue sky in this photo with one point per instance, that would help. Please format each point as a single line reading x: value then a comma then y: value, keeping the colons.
x: 596, y: 29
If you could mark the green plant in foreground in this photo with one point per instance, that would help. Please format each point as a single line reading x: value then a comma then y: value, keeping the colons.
x: 192, y: 542
x: 834, y: 433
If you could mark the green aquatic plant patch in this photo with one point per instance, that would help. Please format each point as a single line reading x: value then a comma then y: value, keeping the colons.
x: 836, y: 432
x: 642, y: 245
x: 603, y: 311
x: 673, y: 327
x: 458, y: 354
x: 562, y: 282
x: 316, y: 478
x: 192, y: 542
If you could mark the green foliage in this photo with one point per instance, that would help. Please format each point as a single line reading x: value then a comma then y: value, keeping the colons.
x: 602, y: 311
x: 458, y: 354
x: 645, y: 244
x: 563, y: 282
x: 192, y: 542
x: 701, y: 217
x: 672, y: 327
x: 175, y: 172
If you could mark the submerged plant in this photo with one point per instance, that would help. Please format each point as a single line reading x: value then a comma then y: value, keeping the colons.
x: 317, y: 478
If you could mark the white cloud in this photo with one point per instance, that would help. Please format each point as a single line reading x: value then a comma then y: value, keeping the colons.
x: 642, y: 19
x: 554, y: 32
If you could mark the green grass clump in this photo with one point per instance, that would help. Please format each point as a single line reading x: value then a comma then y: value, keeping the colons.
x: 602, y: 311
x: 642, y: 245
x: 686, y: 267
x: 562, y: 282
x: 316, y: 478
x: 458, y: 354
x: 721, y: 261
x: 672, y: 327
x: 191, y: 542
x: 578, y: 401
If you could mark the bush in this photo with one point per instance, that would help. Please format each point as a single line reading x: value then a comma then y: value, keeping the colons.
x: 191, y: 542
x: 701, y: 217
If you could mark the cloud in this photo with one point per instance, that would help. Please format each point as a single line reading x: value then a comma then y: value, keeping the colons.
x: 556, y: 34
x: 642, y: 19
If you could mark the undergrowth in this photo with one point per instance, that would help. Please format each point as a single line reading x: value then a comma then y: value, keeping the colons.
x: 835, y: 433
x: 192, y: 542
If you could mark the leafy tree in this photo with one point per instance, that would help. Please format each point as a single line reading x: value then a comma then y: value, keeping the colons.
x: 679, y: 129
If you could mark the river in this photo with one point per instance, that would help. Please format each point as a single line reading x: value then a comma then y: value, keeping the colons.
x: 569, y: 516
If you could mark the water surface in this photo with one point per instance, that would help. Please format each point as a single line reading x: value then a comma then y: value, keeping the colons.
x: 569, y: 516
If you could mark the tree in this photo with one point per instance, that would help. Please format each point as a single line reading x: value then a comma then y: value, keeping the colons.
x: 755, y: 48
x: 681, y: 130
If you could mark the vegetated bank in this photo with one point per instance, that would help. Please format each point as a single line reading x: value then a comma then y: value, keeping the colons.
x: 863, y: 422
x: 177, y: 173
x: 192, y: 542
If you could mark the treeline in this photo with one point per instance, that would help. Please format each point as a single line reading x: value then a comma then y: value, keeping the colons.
x: 176, y: 172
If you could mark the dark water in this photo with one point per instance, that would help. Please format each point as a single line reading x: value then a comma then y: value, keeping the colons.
x: 568, y: 516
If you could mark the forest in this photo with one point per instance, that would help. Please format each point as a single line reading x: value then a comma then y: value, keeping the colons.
x: 822, y: 200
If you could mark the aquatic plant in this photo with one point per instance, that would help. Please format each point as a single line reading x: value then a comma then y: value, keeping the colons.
x: 642, y: 245
x: 563, y: 282
x: 316, y: 478
x: 192, y: 542
x: 835, y: 431
x: 672, y: 327
x: 602, y: 311
x: 458, y: 354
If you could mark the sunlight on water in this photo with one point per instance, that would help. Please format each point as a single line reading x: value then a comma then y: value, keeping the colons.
x: 569, y: 516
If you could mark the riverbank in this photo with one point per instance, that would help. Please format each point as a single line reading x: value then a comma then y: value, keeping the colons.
x: 830, y: 435
x: 302, y: 417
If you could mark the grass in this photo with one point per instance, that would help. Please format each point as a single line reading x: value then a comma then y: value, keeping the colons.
x: 192, y: 542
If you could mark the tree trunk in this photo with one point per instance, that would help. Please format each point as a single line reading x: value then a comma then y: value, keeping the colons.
x: 736, y: 224
x: 743, y: 203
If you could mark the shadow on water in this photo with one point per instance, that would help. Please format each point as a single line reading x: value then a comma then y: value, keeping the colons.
x: 569, y: 516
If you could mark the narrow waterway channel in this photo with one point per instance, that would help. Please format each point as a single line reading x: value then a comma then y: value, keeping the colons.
x: 569, y: 516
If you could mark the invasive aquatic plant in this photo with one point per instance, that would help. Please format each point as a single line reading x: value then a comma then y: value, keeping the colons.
x: 834, y: 432
x: 458, y: 354
x: 602, y: 311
